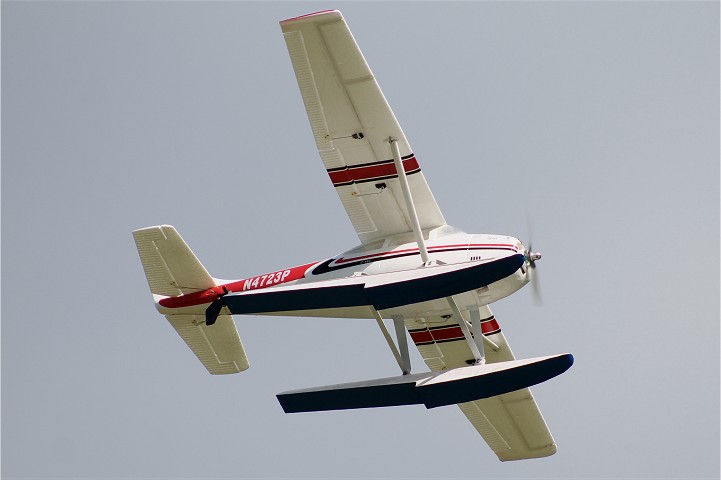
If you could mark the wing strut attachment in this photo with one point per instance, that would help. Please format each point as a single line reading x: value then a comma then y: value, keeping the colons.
x: 476, y: 345
x: 477, y: 332
x: 400, y: 325
x: 401, y: 352
x: 415, y: 224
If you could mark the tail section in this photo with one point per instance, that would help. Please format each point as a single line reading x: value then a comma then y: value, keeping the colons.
x: 172, y: 269
x: 218, y: 347
x: 170, y: 265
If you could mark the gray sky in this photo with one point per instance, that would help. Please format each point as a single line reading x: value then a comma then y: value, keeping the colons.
x: 599, y: 119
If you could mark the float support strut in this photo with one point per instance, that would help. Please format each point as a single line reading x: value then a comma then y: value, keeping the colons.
x: 475, y: 346
x: 402, y: 356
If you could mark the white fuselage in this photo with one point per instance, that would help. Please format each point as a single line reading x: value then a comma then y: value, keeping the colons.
x: 396, y: 258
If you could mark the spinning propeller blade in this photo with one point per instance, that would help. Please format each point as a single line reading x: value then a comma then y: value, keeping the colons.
x: 531, y: 258
x: 213, y: 310
x: 533, y: 278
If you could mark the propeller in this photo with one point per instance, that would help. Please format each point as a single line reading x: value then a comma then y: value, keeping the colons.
x: 531, y: 259
x: 213, y: 310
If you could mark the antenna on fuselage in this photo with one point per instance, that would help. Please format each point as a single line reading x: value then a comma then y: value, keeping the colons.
x: 410, y: 206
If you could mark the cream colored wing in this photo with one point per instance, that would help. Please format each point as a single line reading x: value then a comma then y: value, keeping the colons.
x: 511, y: 423
x: 352, y: 124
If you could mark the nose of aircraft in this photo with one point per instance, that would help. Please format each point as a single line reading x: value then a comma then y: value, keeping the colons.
x: 533, y: 256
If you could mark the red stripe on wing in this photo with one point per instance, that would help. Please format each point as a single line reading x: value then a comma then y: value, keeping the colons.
x: 489, y: 326
x: 366, y: 173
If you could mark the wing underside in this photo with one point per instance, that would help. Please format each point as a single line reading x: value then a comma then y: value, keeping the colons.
x: 352, y: 124
x: 511, y: 423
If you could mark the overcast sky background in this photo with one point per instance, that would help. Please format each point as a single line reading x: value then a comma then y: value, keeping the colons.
x: 599, y: 119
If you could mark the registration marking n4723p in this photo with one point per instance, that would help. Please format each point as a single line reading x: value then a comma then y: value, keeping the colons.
x: 266, y: 280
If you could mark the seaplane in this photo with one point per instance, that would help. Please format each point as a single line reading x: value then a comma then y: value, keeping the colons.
x: 425, y: 278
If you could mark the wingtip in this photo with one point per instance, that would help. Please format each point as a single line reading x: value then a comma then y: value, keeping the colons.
x: 309, y: 15
x: 510, y: 455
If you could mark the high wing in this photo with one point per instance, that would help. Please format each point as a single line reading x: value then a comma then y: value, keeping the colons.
x: 511, y: 423
x: 352, y: 124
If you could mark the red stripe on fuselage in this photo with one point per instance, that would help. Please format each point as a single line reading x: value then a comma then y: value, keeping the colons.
x: 296, y: 273
x: 252, y: 283
x: 482, y: 246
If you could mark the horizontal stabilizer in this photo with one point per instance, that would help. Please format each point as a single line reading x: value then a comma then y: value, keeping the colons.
x: 432, y: 389
x: 218, y: 348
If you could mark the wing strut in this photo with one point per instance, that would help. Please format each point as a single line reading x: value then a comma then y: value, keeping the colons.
x: 402, y: 343
x: 401, y: 352
x: 477, y: 332
x: 476, y: 345
x: 415, y: 224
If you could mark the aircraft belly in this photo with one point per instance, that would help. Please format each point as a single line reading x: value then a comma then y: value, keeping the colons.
x: 397, y: 293
x: 363, y: 312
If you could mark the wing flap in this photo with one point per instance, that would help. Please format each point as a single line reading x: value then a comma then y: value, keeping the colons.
x: 356, y: 209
